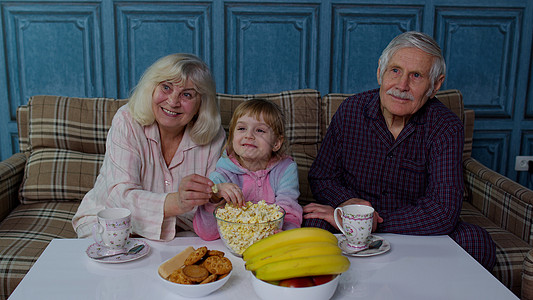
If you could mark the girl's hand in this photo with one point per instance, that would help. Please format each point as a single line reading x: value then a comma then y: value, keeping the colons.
x: 231, y: 192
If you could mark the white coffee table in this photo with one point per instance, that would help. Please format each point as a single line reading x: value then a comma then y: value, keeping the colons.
x: 416, y: 267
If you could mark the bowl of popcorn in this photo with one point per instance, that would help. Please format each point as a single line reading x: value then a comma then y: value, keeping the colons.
x: 239, y: 227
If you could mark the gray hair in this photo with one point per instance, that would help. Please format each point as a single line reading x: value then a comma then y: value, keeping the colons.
x: 173, y: 68
x: 414, y: 39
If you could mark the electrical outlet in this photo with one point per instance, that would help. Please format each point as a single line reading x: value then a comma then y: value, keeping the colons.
x: 522, y: 163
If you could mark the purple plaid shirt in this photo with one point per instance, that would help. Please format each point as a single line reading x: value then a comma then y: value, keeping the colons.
x: 415, y: 182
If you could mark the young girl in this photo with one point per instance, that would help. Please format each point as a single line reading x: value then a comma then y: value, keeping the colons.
x: 253, y: 167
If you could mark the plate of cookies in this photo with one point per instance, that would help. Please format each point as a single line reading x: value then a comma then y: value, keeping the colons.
x: 196, y: 272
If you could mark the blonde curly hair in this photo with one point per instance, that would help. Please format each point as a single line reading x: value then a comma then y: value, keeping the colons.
x: 174, y: 68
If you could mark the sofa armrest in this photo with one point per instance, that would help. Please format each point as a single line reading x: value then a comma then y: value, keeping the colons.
x: 11, y: 173
x: 527, y: 276
x: 502, y: 200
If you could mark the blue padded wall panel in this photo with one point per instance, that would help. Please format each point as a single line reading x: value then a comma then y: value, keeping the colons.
x: 360, y: 33
x: 270, y: 48
x: 528, y: 111
x: 148, y: 31
x: 14, y: 141
x: 492, y: 147
x: 527, y: 149
x: 481, y: 48
x: 52, y: 49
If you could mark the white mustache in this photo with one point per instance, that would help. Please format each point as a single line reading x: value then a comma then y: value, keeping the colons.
x: 402, y: 95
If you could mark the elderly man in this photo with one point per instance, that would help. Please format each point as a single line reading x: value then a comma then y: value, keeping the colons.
x: 399, y: 150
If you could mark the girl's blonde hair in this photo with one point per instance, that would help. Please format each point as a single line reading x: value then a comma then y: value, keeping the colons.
x: 272, y: 115
x: 174, y: 68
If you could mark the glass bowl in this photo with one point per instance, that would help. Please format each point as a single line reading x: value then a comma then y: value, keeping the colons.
x: 237, y: 236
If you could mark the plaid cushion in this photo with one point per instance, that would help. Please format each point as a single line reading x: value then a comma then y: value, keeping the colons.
x: 329, y: 105
x: 453, y: 99
x: 510, y: 250
x: 469, y: 132
x: 24, y: 235
x: 304, y: 155
x: 77, y: 124
x: 59, y: 175
x: 23, y: 113
x: 301, y: 109
x: 66, y: 137
x: 302, y: 116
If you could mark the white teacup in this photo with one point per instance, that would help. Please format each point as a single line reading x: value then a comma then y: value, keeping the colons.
x: 113, y: 228
x: 355, y: 222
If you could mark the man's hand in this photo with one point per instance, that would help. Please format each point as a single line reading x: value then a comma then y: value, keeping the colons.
x: 376, y: 218
x: 193, y: 190
x: 325, y: 212
x: 320, y: 211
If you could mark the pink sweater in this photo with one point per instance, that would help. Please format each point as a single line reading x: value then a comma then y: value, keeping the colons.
x: 278, y: 184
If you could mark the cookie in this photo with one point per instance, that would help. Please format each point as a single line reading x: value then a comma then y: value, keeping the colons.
x: 218, y: 265
x: 215, y: 253
x: 195, y: 273
x: 178, y: 277
x: 196, y: 256
x: 209, y: 279
x: 199, y: 266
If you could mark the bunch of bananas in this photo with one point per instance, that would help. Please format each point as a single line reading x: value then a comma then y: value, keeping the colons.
x: 294, y: 253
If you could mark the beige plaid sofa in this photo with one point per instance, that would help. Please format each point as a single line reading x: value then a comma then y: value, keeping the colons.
x: 62, y: 142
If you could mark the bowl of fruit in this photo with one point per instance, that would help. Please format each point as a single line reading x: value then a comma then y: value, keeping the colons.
x: 302, y: 263
x: 297, y: 288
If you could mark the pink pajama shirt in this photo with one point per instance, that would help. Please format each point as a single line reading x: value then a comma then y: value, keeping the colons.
x: 134, y: 175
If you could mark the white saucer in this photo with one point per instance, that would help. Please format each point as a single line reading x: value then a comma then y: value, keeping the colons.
x: 96, y: 250
x: 348, y: 250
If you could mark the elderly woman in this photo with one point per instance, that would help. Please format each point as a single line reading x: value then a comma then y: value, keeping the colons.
x: 160, y: 148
